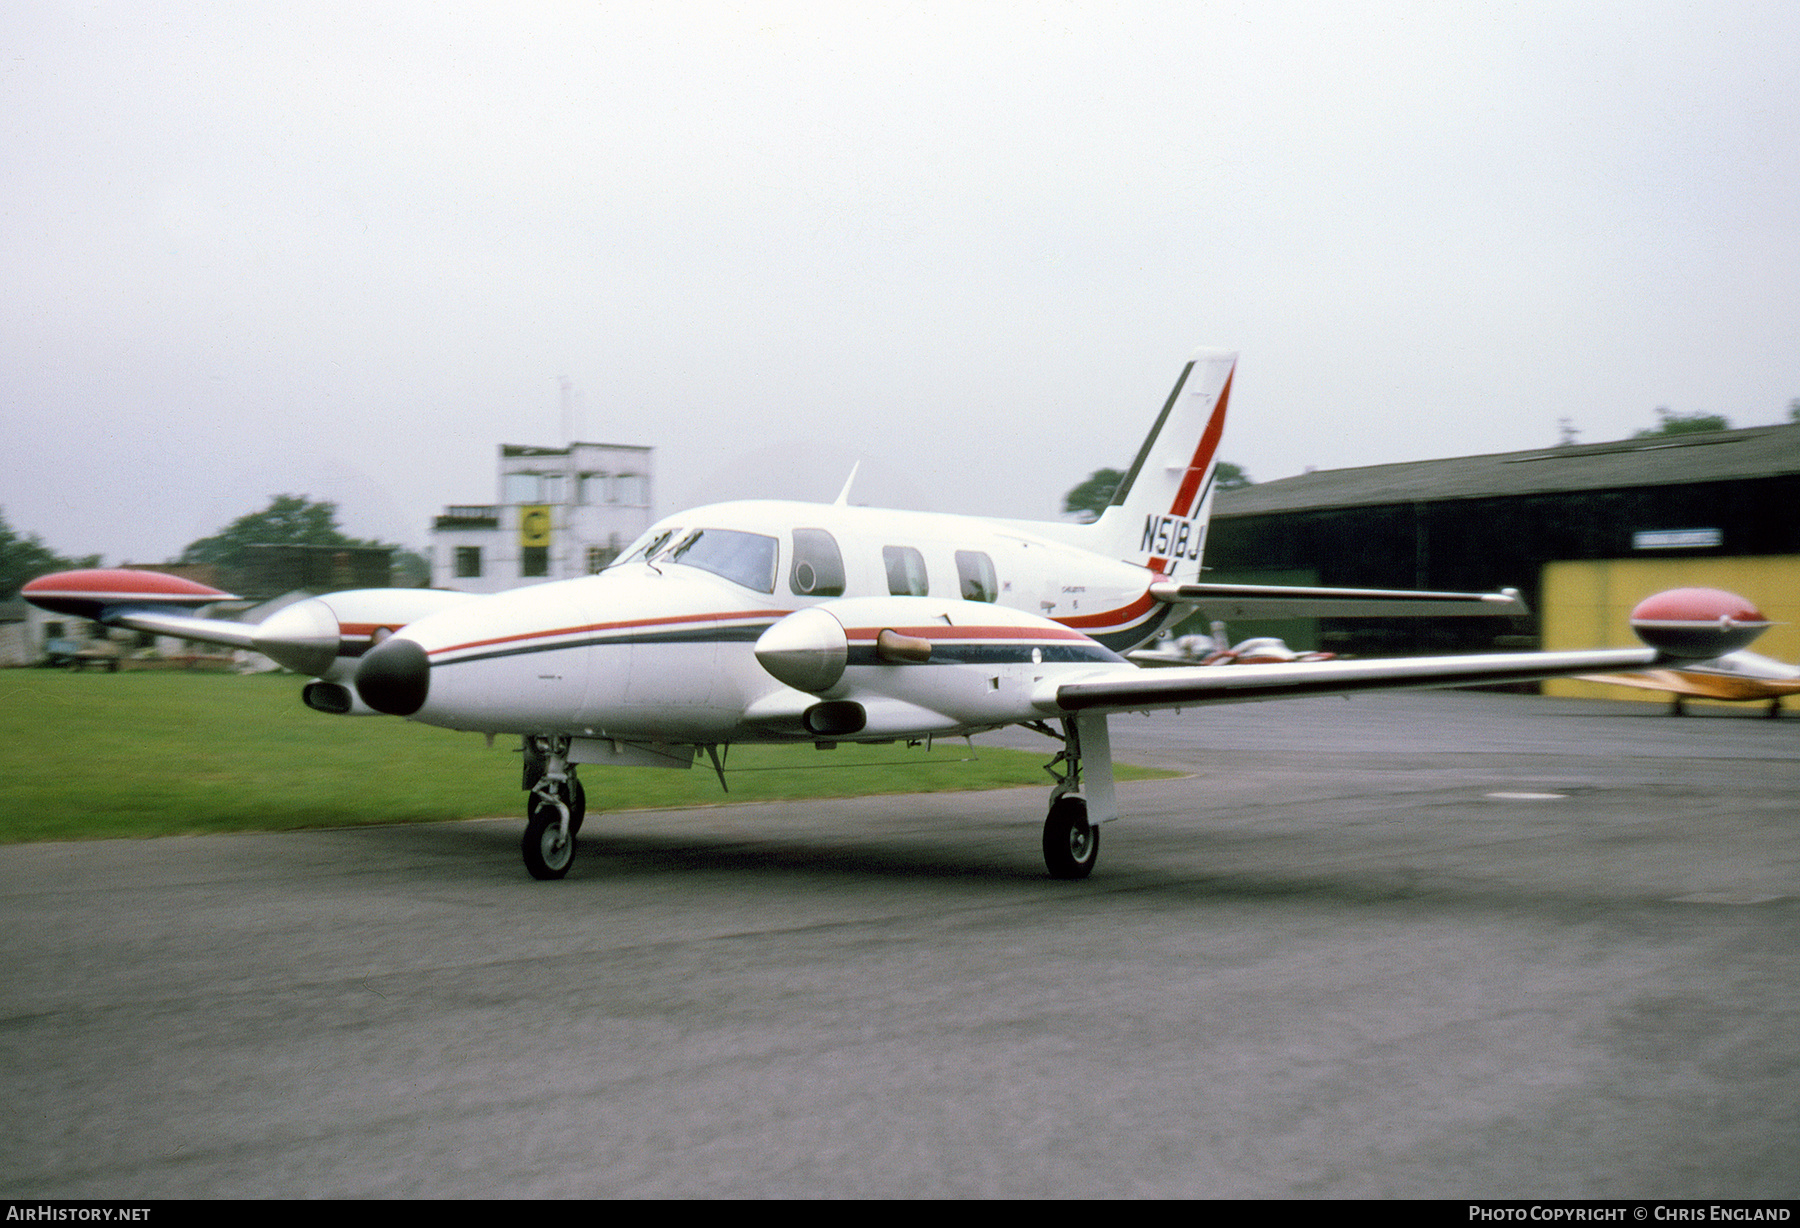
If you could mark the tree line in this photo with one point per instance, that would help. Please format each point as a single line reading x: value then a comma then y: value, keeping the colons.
x: 289, y: 520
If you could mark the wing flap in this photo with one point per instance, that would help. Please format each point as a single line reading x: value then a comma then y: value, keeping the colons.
x: 1240, y: 601
x: 1139, y: 690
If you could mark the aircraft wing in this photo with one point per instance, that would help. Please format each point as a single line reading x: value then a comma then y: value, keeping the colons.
x: 1136, y: 690
x: 311, y: 636
x: 186, y: 626
x: 1239, y: 601
x: 149, y: 601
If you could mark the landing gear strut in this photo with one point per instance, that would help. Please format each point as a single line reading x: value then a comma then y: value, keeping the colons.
x: 555, y: 806
x: 1072, y: 828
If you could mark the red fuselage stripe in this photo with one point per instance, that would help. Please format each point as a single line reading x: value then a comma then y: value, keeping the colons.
x: 1112, y: 618
x: 733, y: 616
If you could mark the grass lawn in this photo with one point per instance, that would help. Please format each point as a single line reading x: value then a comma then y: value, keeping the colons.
x: 87, y: 756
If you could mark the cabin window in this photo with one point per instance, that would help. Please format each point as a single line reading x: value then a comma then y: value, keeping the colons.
x: 976, y: 572
x: 468, y: 562
x: 534, y: 561
x: 905, y: 571
x: 818, y: 569
x: 743, y: 558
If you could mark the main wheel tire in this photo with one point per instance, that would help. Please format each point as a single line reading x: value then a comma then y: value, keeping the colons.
x: 1071, y: 843
x: 547, y: 854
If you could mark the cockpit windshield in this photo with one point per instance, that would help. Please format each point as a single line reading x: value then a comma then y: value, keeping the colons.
x: 743, y: 558
x: 646, y: 546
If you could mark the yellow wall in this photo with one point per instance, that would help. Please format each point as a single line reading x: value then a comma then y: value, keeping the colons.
x: 1588, y: 605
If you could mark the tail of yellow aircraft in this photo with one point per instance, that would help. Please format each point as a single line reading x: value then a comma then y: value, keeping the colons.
x: 1157, y: 518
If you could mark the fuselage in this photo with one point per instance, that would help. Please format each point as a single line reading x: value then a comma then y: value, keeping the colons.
x: 659, y: 646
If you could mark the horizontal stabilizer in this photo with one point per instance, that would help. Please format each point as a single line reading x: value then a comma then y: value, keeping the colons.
x: 1238, y: 601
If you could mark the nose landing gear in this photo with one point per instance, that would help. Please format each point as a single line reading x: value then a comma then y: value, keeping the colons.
x: 556, y: 804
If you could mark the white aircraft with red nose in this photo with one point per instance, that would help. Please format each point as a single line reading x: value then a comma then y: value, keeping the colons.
x: 829, y: 623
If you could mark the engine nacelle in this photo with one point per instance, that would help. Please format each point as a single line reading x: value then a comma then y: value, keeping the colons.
x: 896, y: 666
x: 1697, y: 624
x: 810, y: 649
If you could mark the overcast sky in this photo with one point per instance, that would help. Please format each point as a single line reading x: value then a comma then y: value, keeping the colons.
x: 345, y: 250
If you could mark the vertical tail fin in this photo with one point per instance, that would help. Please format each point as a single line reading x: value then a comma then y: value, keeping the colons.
x: 1158, y: 515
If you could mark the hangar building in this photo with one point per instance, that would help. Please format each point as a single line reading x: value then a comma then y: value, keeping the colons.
x: 1583, y: 531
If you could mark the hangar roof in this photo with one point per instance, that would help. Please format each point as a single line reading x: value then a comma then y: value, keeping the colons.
x: 1664, y: 460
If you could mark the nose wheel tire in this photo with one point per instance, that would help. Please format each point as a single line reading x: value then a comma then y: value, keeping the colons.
x: 548, y: 853
x: 1071, y: 843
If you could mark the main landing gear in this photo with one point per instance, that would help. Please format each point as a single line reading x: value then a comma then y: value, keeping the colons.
x: 555, y: 805
x: 1072, y: 828
x: 1071, y: 843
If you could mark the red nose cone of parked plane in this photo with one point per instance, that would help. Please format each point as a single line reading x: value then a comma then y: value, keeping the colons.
x: 394, y: 677
x: 1697, y: 623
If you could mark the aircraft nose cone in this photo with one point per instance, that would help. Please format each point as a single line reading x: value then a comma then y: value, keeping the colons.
x: 394, y: 677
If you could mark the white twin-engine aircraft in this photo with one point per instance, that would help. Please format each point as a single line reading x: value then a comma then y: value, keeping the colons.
x: 800, y: 622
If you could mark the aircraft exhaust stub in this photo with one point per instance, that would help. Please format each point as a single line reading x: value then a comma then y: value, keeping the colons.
x: 898, y: 649
x: 1697, y: 623
x: 328, y: 697
x: 334, y: 698
x: 835, y: 719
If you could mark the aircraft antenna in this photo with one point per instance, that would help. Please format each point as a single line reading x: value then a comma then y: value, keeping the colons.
x: 843, y: 499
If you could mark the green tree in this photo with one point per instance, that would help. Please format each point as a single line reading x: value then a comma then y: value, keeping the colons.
x: 289, y: 520
x: 1669, y: 423
x: 25, y: 558
x: 1090, y: 497
x: 1229, y: 477
x: 412, y: 569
